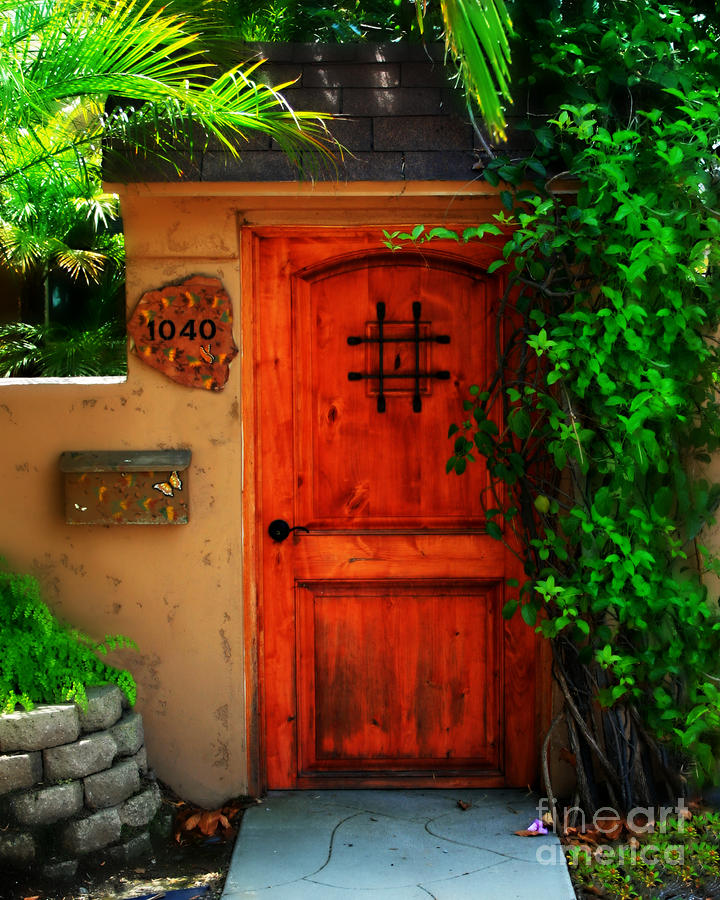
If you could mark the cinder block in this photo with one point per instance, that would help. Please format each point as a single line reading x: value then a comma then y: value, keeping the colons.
x: 20, y: 770
x: 84, y: 757
x: 141, y: 760
x: 47, y: 805
x: 140, y: 809
x: 91, y: 833
x: 60, y: 869
x: 132, y: 849
x: 104, y: 707
x: 44, y: 726
x: 128, y: 734
x: 17, y: 849
x: 111, y: 787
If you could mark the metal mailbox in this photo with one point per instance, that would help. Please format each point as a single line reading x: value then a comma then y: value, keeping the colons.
x: 126, y: 487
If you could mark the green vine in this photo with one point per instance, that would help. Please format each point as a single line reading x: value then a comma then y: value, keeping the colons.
x: 607, y: 388
x: 45, y: 661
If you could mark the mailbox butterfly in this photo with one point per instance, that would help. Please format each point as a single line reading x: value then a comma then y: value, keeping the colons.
x: 206, y: 355
x: 168, y: 487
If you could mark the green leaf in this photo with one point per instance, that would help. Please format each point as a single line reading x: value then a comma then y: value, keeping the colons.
x: 663, y: 501
x: 443, y: 233
x: 519, y: 422
x: 510, y: 608
x: 536, y: 166
x: 493, y: 529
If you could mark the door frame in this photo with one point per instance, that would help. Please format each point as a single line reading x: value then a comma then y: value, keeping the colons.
x: 252, y: 513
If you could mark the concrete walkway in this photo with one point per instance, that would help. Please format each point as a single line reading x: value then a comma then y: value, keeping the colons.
x: 395, y: 845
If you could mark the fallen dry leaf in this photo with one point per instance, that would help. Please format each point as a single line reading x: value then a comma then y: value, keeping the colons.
x: 463, y: 805
x: 641, y: 822
x: 611, y: 826
x: 208, y: 823
x: 527, y: 833
x: 579, y: 840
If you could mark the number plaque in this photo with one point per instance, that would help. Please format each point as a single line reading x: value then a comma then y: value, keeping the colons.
x: 185, y: 331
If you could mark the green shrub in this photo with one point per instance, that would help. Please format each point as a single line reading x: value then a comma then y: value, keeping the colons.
x: 43, y: 660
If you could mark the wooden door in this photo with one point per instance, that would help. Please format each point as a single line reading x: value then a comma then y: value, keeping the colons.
x: 384, y: 658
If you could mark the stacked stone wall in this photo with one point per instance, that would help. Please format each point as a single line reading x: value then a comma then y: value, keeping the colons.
x: 74, y: 783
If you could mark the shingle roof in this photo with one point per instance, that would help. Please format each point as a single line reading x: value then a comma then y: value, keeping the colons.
x: 397, y: 113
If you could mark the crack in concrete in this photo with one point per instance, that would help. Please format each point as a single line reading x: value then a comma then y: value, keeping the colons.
x: 330, y: 847
x: 441, y: 837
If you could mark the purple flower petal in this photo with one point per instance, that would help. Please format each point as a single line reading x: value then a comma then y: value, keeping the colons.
x: 537, y: 826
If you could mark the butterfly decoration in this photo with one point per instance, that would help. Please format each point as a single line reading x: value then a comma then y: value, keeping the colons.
x: 168, y: 487
x: 206, y: 355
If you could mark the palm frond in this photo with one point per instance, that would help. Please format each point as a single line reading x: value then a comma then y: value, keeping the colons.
x: 53, y: 352
x: 476, y: 34
x: 53, y: 52
x: 85, y: 264
x: 20, y: 348
x: 23, y: 248
x: 99, y: 208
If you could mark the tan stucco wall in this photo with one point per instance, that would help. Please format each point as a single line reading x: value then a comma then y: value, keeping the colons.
x: 176, y: 590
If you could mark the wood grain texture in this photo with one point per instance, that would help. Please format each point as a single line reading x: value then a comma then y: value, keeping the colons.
x: 358, y: 468
x: 251, y: 524
x: 398, y: 675
x: 388, y: 611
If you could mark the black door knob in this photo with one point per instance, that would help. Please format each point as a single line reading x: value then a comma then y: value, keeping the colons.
x: 279, y: 530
